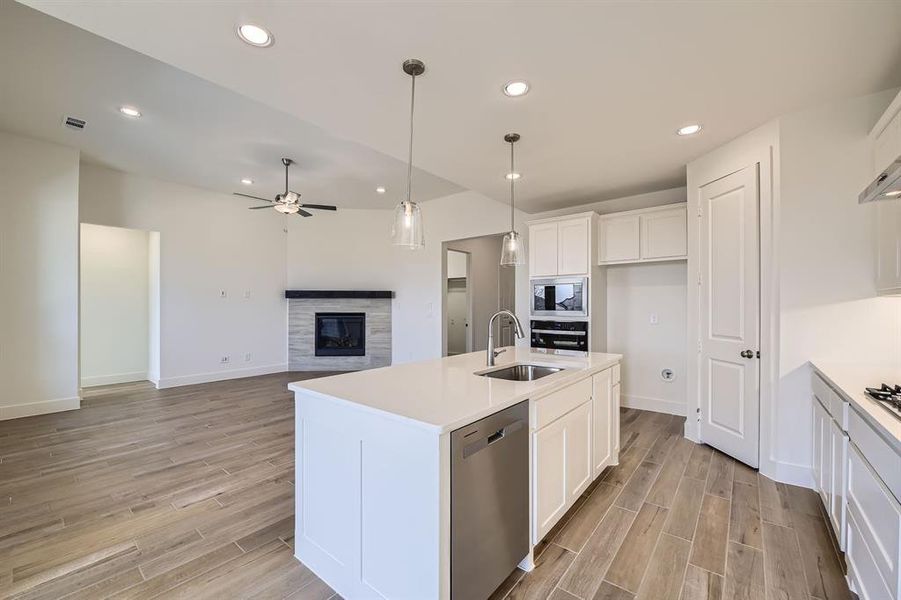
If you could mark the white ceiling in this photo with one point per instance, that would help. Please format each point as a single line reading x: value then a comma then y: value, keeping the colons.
x: 611, y: 81
x: 192, y: 131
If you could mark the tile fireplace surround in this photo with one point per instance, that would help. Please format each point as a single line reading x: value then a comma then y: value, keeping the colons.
x: 302, y: 308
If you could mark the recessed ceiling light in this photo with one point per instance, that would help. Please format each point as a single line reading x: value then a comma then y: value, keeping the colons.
x: 247, y: 181
x: 512, y: 175
x: 893, y: 194
x: 255, y: 35
x: 688, y: 130
x: 516, y: 88
x: 130, y: 111
x: 380, y: 190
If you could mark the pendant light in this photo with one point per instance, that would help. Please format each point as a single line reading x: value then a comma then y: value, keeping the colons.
x: 407, y: 228
x: 512, y: 252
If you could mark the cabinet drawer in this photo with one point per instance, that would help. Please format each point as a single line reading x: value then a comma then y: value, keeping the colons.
x: 553, y: 406
x: 877, y: 518
x: 837, y: 408
x: 615, y: 374
x: 867, y: 581
x: 882, y: 457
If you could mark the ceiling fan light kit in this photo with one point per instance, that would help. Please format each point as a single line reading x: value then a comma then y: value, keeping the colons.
x: 288, y: 202
x: 407, y: 228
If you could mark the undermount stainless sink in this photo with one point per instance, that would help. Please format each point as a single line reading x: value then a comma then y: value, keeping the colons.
x: 521, y: 372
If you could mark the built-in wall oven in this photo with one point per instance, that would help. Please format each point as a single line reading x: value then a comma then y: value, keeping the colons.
x: 560, y: 297
x: 560, y: 336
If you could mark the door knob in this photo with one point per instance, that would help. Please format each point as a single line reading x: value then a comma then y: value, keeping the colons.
x: 747, y: 354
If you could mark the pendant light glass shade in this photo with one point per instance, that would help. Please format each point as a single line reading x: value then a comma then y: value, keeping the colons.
x: 407, y: 229
x: 512, y: 251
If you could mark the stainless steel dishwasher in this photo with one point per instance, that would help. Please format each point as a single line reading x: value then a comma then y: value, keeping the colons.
x: 489, y: 501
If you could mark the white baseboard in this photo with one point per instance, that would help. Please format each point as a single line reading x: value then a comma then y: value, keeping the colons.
x: 170, y: 382
x: 43, y: 407
x: 653, y: 404
x: 792, y: 473
x: 95, y: 380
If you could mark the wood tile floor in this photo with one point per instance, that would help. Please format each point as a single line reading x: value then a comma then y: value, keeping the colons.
x: 179, y: 493
x: 188, y: 493
x: 675, y: 520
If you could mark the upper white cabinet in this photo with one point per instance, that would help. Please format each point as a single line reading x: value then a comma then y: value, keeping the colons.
x: 886, y: 137
x: 646, y: 235
x: 560, y: 246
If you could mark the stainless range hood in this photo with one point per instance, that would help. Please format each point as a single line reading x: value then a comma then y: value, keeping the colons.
x: 886, y: 187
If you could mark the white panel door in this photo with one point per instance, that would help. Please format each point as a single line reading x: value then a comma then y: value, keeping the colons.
x: 602, y: 415
x: 730, y: 313
x: 578, y: 451
x: 618, y: 239
x: 664, y: 234
x: 549, y: 448
x: 543, y: 250
x: 573, y: 246
x: 839, y: 480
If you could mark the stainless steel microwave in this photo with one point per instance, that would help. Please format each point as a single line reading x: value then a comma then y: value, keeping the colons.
x: 560, y: 297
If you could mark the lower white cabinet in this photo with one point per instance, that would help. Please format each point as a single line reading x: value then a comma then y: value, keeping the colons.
x: 874, y: 532
x: 576, y: 437
x: 562, y: 466
x: 838, y: 462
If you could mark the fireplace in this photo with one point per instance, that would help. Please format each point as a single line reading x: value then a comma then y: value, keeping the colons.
x: 340, y: 334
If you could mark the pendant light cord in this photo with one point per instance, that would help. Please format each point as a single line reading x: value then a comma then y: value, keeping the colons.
x: 410, y: 161
x: 512, y: 180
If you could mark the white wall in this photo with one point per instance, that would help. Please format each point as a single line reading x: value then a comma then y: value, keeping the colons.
x: 208, y: 242
x: 634, y: 293
x: 829, y: 308
x: 38, y: 277
x: 351, y: 249
x: 115, y: 299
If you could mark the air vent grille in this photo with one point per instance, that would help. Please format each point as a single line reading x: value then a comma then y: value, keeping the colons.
x: 74, y: 123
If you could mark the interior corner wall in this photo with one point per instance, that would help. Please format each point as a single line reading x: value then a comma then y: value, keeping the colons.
x: 114, y: 305
x: 208, y: 243
x: 829, y: 307
x: 38, y: 277
x: 351, y: 249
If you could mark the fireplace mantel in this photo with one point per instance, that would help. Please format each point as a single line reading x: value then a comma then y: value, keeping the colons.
x: 333, y: 294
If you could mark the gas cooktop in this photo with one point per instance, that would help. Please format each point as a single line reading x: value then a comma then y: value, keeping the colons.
x: 887, y: 396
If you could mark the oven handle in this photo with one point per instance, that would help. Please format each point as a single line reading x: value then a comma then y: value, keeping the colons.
x: 554, y: 331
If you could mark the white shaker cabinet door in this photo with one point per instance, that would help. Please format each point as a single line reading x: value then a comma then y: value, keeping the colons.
x: 549, y: 448
x: 664, y: 234
x: 602, y: 416
x: 578, y: 452
x: 543, y: 250
x: 839, y: 480
x: 618, y: 239
x: 573, y: 246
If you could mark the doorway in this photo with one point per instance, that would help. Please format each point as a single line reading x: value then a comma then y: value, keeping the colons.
x: 475, y: 287
x: 459, y: 303
x: 118, y: 305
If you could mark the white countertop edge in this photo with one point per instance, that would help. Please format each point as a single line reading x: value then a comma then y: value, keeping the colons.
x: 867, y: 410
x: 557, y: 381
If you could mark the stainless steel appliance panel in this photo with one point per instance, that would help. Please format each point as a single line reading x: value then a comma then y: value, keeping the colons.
x: 560, y: 297
x: 489, y: 501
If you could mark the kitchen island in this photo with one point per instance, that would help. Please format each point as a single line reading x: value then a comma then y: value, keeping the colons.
x: 373, y: 461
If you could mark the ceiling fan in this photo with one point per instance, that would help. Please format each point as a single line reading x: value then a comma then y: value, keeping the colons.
x: 289, y: 202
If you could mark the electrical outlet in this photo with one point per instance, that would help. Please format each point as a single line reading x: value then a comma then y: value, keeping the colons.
x: 654, y: 320
x: 224, y: 360
x: 223, y: 293
x: 248, y: 357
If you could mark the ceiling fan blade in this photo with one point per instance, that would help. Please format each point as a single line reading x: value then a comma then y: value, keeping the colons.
x: 304, y: 213
x: 319, y: 206
x: 257, y: 207
x: 249, y: 196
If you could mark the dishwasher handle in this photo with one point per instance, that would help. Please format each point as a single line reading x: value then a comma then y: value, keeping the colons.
x: 492, y: 438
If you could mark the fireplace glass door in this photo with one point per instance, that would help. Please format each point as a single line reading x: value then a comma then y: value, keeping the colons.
x: 340, y: 334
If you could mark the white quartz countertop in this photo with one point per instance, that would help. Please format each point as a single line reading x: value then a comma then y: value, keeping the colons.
x: 444, y: 394
x: 851, y: 380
